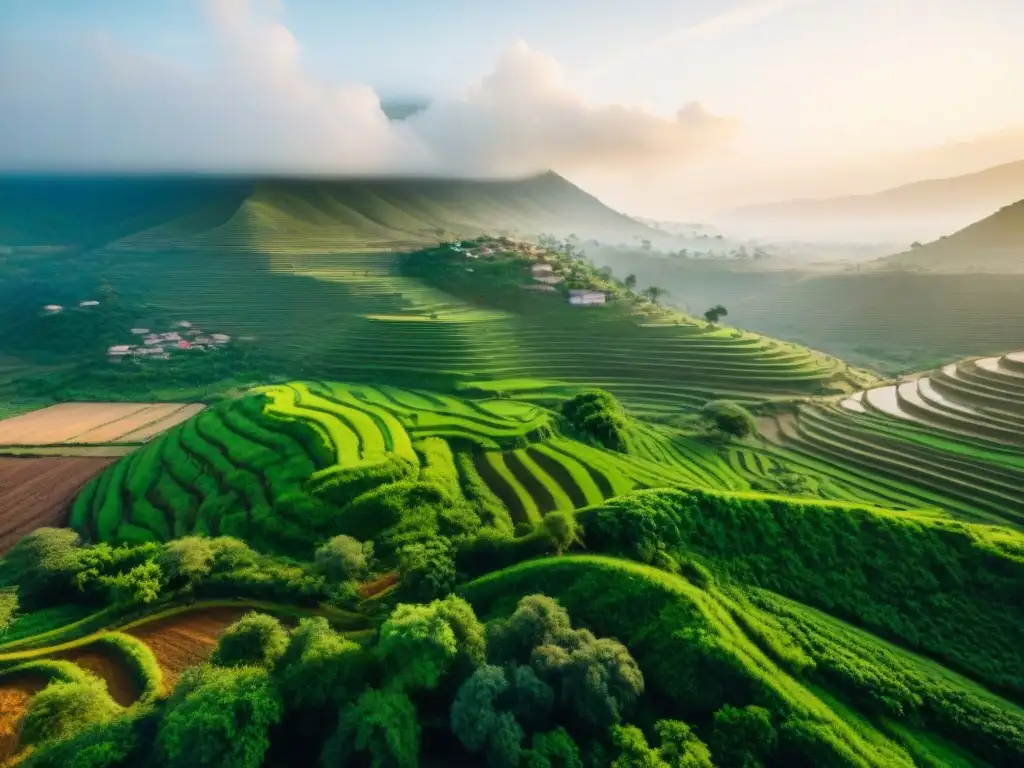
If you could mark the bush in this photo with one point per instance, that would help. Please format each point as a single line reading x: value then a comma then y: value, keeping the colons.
x: 219, y: 718
x: 426, y: 571
x: 561, y: 529
x: 321, y: 665
x: 729, y: 418
x: 342, y: 558
x: 255, y: 639
x: 41, y: 564
x: 185, y: 561
x: 63, y: 709
x: 598, y: 415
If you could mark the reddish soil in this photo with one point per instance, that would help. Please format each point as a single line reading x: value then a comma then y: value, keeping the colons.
x: 15, y: 696
x: 186, y: 639
x: 37, y: 492
x: 369, y: 589
x: 108, y: 666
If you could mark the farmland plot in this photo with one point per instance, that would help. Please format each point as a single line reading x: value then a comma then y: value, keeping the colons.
x: 36, y: 492
x: 93, y: 423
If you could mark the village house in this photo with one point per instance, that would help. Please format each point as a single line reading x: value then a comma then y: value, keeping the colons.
x: 220, y: 338
x: 585, y: 298
x: 88, y: 303
x: 53, y: 309
x: 543, y: 269
x: 549, y: 279
x: 171, y: 336
x: 140, y: 331
x: 184, y: 324
x: 120, y: 350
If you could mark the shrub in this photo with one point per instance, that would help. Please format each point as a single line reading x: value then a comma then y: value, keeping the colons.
x: 63, y: 709
x: 41, y: 564
x: 255, y: 639
x: 185, y: 561
x: 426, y: 571
x: 342, y: 558
x: 561, y: 529
x: 598, y: 415
x: 729, y: 418
x: 321, y: 665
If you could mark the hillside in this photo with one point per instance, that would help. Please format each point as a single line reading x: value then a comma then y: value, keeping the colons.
x: 293, y: 215
x: 920, y: 211
x: 476, y: 577
x: 994, y: 244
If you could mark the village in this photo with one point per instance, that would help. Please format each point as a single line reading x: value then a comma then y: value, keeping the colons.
x: 161, y: 345
x: 542, y: 271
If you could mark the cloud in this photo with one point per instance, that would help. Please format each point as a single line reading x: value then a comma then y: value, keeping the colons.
x: 740, y: 16
x: 100, y: 106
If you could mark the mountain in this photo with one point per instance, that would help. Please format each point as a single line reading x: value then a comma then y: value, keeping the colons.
x: 919, y: 211
x: 994, y: 244
x: 314, y: 215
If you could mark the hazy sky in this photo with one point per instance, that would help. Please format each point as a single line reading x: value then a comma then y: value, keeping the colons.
x: 670, y: 108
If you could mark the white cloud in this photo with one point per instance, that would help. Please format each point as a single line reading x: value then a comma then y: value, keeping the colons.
x: 101, y: 107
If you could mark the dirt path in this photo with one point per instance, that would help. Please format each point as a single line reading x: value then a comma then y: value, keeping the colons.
x: 36, y: 492
x: 15, y: 696
x: 186, y: 639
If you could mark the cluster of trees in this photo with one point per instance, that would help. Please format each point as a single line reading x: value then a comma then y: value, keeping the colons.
x: 434, y: 686
x: 51, y: 567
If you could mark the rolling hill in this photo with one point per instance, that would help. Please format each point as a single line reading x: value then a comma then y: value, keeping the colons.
x: 994, y: 244
x: 295, y: 215
x: 919, y: 211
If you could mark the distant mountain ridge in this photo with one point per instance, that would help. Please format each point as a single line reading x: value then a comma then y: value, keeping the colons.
x: 312, y: 215
x: 994, y: 244
x: 922, y: 210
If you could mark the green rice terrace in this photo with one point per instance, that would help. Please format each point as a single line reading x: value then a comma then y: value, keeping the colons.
x: 473, y: 502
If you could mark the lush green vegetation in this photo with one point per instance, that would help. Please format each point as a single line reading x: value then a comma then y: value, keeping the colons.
x: 521, y: 533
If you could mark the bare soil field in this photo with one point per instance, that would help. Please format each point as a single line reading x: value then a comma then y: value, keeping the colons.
x: 109, y: 667
x: 186, y: 639
x: 15, y: 696
x: 93, y: 423
x: 36, y: 492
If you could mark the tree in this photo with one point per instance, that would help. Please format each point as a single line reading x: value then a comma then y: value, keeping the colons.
x: 186, y: 561
x: 729, y: 418
x: 219, y: 717
x: 342, y: 558
x: 743, y: 737
x: 382, y: 724
x: 630, y: 281
x: 474, y: 714
x: 420, y: 644
x: 42, y: 562
x: 680, y: 747
x: 599, y: 680
x: 426, y: 570
x: 8, y: 609
x: 715, y: 314
x: 139, y: 586
x: 562, y: 529
x: 321, y: 665
x: 915, y: 244
x: 255, y: 639
x: 654, y: 293
x: 553, y: 749
x: 634, y: 752
x: 538, y: 620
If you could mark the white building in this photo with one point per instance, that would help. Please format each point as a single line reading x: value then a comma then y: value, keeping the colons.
x: 220, y: 338
x: 549, y: 279
x: 583, y: 298
x: 541, y: 270
x: 88, y: 303
x: 119, y: 350
x: 184, y: 324
x: 53, y: 308
x: 140, y: 331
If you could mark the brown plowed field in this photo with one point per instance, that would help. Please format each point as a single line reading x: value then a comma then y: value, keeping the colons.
x: 14, y: 698
x: 36, y: 492
x: 107, y: 665
x: 92, y: 423
x: 186, y: 639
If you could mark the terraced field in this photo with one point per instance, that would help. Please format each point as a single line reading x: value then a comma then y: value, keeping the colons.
x: 233, y: 468
x: 93, y: 423
x: 951, y: 439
